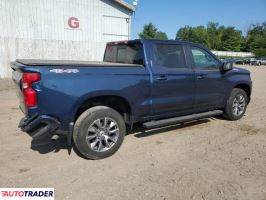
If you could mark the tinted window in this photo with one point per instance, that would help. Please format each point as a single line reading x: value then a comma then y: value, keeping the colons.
x: 121, y: 54
x: 203, y: 60
x: 124, y: 53
x: 169, y: 55
x: 110, y: 54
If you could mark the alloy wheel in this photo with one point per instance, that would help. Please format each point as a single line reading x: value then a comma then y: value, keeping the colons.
x: 102, y: 134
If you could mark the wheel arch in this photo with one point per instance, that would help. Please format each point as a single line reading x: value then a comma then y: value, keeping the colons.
x: 246, y: 88
x: 116, y: 102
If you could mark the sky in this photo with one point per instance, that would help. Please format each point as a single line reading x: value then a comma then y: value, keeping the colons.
x: 170, y: 15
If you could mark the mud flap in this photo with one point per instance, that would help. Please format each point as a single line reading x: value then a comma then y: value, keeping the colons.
x: 69, y: 137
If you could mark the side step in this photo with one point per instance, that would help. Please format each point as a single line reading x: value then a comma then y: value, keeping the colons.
x: 176, y: 120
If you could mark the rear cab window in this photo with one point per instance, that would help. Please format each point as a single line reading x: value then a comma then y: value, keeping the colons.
x: 169, y: 56
x: 127, y: 53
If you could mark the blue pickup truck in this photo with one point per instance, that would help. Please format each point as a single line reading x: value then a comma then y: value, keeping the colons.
x: 157, y: 83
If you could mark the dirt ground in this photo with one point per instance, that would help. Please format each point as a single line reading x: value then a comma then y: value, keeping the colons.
x: 208, y: 159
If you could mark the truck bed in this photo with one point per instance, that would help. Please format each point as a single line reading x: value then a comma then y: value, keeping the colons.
x: 33, y: 62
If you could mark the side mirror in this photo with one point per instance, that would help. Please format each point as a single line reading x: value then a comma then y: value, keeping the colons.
x: 226, y: 66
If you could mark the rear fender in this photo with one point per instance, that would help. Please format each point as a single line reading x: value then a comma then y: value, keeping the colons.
x: 91, y: 95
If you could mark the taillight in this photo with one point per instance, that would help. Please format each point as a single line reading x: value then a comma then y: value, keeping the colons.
x: 30, y: 95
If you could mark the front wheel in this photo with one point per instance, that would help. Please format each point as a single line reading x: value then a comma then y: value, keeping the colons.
x: 99, y: 132
x: 236, y: 105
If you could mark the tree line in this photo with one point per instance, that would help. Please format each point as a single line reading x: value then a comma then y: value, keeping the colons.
x: 217, y: 37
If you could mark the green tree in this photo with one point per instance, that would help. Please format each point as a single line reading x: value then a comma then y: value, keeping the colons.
x: 231, y: 39
x: 256, y: 39
x: 243, y: 45
x: 200, y: 35
x: 259, y: 47
x: 151, y: 32
x: 193, y: 34
x: 184, y: 33
x: 214, y: 35
x: 161, y: 36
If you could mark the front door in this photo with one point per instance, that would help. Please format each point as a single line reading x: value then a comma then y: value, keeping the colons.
x: 173, y: 87
x: 210, y: 82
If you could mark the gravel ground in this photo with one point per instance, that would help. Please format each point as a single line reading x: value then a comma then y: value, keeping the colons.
x: 207, y: 159
x: 6, y: 84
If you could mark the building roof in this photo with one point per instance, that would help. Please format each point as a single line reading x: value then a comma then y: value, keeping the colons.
x: 125, y: 5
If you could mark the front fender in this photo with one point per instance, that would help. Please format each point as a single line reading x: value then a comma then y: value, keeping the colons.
x: 239, y: 84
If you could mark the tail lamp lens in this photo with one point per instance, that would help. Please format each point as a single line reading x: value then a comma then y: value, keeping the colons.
x: 30, y: 95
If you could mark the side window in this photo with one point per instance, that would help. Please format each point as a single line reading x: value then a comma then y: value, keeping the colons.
x: 169, y: 55
x: 110, y: 54
x: 124, y: 53
x: 203, y: 60
x: 139, y: 56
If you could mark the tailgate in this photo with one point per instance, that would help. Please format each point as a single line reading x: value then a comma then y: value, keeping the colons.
x: 17, y: 76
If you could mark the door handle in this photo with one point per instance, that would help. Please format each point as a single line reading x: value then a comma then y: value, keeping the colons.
x: 161, y: 78
x: 200, y: 76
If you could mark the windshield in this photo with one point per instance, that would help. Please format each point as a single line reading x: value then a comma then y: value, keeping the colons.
x: 130, y: 53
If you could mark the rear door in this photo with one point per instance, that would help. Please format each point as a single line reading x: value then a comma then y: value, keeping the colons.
x: 210, y: 82
x: 173, y: 87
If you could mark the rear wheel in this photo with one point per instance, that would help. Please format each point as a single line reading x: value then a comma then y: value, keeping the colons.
x: 236, y: 105
x: 99, y: 132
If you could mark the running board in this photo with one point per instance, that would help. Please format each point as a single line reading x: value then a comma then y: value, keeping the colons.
x: 186, y: 118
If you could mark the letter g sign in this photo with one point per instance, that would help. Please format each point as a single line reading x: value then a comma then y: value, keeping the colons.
x: 73, y: 22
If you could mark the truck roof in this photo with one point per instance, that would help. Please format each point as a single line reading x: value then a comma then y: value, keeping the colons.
x: 153, y: 40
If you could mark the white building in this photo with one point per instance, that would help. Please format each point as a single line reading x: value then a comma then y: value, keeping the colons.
x: 233, y: 54
x: 60, y: 29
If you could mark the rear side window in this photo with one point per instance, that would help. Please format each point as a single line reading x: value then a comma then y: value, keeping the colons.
x: 124, y: 53
x: 169, y: 55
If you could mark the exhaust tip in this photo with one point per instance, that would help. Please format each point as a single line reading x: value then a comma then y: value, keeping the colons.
x: 54, y: 137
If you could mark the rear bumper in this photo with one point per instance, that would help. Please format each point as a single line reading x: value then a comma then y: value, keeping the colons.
x: 38, y: 125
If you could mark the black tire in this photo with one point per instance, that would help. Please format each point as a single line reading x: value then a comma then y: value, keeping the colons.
x: 86, y: 120
x: 229, y: 108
